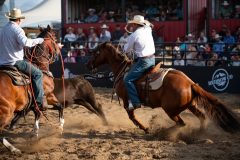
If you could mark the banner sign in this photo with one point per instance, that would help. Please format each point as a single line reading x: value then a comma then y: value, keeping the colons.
x: 212, y: 79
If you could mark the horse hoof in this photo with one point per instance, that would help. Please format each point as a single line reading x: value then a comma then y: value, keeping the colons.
x: 16, y: 151
x: 146, y: 130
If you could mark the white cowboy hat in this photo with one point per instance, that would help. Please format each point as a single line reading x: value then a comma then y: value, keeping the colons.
x: 225, y: 3
x: 15, y: 14
x: 81, y: 47
x: 217, y: 36
x: 104, y: 26
x: 137, y: 19
x: 91, y: 10
x: 189, y: 35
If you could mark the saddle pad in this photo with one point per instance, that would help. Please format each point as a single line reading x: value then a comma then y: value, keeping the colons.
x: 157, y: 83
x: 18, y: 78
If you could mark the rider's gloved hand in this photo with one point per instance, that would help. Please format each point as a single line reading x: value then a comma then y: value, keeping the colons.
x: 40, y: 40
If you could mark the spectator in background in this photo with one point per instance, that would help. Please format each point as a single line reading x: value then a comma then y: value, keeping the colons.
x: 199, y: 60
x: 223, y: 31
x: 70, y: 36
x: 218, y: 46
x: 92, y: 31
x: 163, y: 16
x: 235, y: 60
x: 212, y: 60
x: 151, y: 11
x: 212, y: 37
x: 226, y: 10
x: 105, y: 35
x: 117, y: 33
x: 229, y: 41
x: 82, y: 55
x: 123, y: 39
x: 178, y: 60
x: 236, y: 50
x: 103, y: 16
x: 71, y: 56
x: 92, y: 17
x: 111, y: 16
x: 201, y: 41
x: 93, y: 41
x: 191, y: 54
x: 202, y: 38
x: 81, y: 37
x: 237, y: 34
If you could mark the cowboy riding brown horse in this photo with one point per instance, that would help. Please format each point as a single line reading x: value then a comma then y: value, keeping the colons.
x: 16, y: 95
x: 175, y: 93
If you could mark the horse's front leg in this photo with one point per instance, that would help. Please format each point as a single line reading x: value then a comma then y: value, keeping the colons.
x: 133, y: 118
x: 9, y: 146
x: 52, y: 100
x: 61, y: 117
x: 36, y: 124
x: 59, y: 107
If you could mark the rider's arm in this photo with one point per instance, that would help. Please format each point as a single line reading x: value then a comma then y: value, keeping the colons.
x: 130, y: 43
x: 24, y: 41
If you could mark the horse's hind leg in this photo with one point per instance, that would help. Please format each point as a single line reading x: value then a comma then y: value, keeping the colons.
x: 178, y: 120
x: 199, y: 114
x: 94, y: 107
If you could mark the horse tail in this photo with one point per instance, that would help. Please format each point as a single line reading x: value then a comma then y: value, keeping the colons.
x: 216, y: 110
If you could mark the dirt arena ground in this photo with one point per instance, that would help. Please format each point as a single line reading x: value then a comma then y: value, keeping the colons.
x: 85, y: 137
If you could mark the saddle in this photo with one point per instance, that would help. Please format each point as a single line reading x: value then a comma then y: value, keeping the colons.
x: 18, y: 78
x: 153, y: 79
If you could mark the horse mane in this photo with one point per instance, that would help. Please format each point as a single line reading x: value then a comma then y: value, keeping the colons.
x: 113, y: 49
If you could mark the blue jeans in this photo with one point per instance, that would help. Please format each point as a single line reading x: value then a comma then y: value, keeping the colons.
x: 36, y: 78
x: 136, y: 71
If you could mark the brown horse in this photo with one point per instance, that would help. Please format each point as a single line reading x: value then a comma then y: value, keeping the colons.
x: 77, y: 91
x: 177, y: 93
x: 15, y: 99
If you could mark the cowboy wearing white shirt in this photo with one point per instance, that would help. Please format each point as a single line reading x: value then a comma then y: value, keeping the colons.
x: 12, y: 40
x: 141, y: 41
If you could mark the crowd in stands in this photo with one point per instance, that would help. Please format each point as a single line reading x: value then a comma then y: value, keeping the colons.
x: 220, y: 48
x: 78, y: 42
x: 152, y: 11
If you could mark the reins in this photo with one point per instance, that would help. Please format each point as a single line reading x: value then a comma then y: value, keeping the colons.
x: 122, y: 68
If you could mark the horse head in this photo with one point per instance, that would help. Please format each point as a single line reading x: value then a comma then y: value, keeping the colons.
x: 105, y: 53
x: 44, y: 54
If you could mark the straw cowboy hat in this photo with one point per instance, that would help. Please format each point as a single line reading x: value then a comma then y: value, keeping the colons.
x: 104, y: 26
x: 147, y: 23
x: 70, y: 29
x: 137, y: 19
x: 225, y: 3
x: 15, y: 14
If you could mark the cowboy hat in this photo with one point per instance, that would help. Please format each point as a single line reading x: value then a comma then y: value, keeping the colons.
x: 137, y: 19
x: 225, y: 3
x: 104, y: 26
x: 91, y: 10
x: 15, y: 14
x: 217, y: 36
x: 149, y: 24
x: 70, y: 29
x: 81, y: 47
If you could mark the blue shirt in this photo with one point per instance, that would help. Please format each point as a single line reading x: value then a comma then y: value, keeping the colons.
x: 12, y: 41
